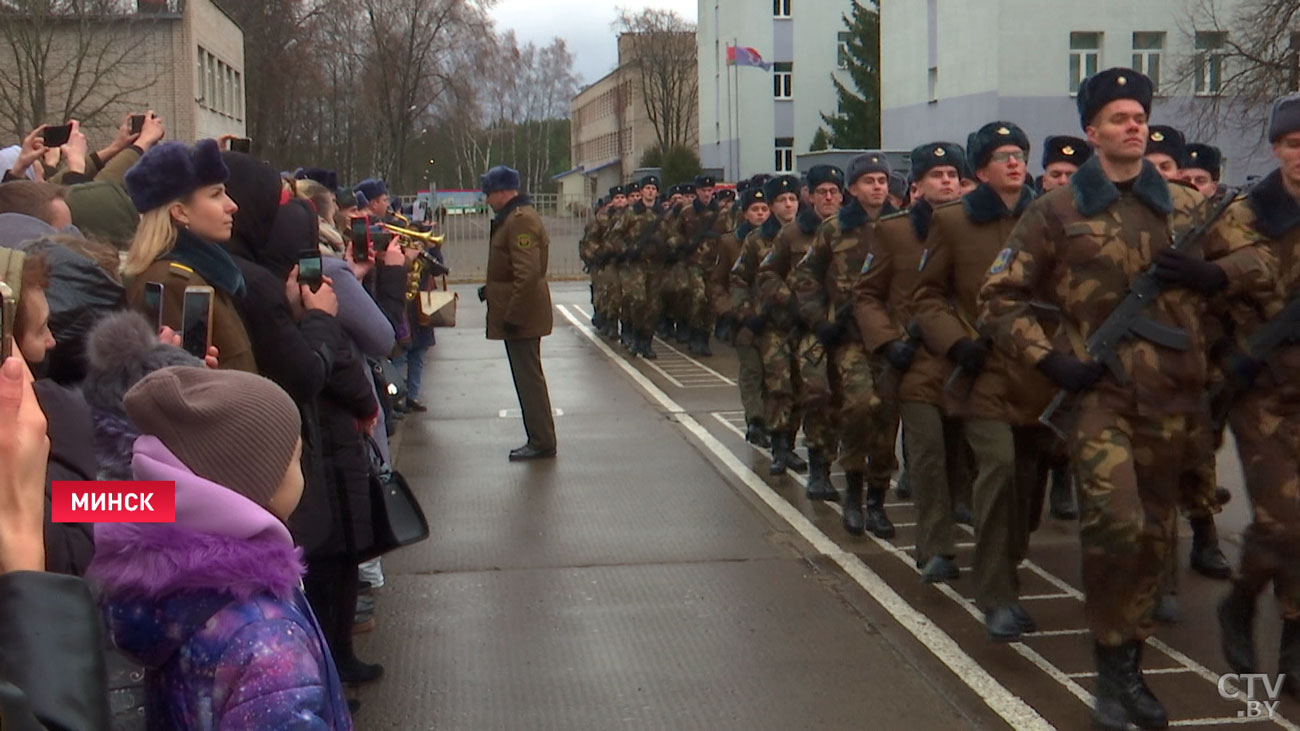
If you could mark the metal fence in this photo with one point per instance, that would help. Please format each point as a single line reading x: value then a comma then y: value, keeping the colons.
x: 466, y: 245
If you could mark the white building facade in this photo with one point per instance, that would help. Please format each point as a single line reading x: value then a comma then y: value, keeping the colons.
x: 756, y: 121
x: 949, y: 66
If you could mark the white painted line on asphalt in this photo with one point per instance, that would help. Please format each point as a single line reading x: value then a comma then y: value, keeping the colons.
x: 1009, y: 706
x: 1236, y: 720
x: 1043, y: 597
x: 1145, y: 671
x: 714, y: 378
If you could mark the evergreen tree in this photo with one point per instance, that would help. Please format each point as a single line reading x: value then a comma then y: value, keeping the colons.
x: 857, y: 126
x: 821, y: 141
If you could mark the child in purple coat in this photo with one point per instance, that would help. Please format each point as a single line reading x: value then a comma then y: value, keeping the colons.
x: 211, y: 605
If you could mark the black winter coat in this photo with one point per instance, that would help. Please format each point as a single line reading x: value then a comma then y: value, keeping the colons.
x: 68, y: 546
x: 348, y: 401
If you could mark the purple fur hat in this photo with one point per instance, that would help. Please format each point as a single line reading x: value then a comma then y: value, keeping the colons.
x: 173, y: 170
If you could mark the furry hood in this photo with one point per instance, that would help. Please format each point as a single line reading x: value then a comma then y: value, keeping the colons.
x: 1276, y: 212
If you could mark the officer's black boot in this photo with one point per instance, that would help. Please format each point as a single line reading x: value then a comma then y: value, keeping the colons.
x: 1237, y: 629
x: 1288, y: 657
x: 646, y: 348
x: 1207, y: 559
x: 819, y: 478
x: 782, y: 450
x: 702, y: 343
x: 877, y: 521
x: 1122, y: 695
x: 854, y: 521
x: 756, y: 434
x: 1061, y: 498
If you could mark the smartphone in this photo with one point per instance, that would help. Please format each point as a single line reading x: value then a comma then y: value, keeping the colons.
x: 361, y: 239
x: 137, y: 124
x: 57, y: 136
x: 8, y: 309
x: 241, y: 144
x: 309, y: 269
x: 196, y: 314
x: 153, y: 303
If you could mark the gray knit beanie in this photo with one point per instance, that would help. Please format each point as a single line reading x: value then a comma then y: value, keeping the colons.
x: 1284, y: 118
x: 236, y: 429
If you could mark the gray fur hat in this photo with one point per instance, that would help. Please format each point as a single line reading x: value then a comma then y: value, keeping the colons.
x: 122, y: 349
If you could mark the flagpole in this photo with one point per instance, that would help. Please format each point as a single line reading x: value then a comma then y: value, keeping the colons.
x: 730, y: 130
x: 717, y: 89
x: 739, y: 121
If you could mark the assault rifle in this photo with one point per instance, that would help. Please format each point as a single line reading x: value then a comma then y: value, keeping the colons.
x: 1128, y: 321
x: 1283, y: 328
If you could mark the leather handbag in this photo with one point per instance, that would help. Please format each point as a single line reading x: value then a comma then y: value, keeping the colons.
x: 438, y: 307
x: 395, y: 514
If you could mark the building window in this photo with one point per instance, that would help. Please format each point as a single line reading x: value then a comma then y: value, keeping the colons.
x: 1085, y: 55
x: 239, y: 96
x: 1211, y: 47
x: 1293, y: 60
x: 932, y: 84
x: 1147, y: 47
x: 842, y: 56
x: 780, y: 8
x: 783, y: 80
x: 784, y: 154
x: 211, y: 93
x: 198, y: 75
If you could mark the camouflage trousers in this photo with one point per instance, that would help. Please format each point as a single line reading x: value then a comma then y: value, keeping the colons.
x: 699, y: 315
x: 1268, y: 442
x: 605, y: 280
x: 672, y: 292
x: 750, y: 381
x: 843, y: 413
x: 780, y: 382
x: 1196, y: 484
x: 641, y: 298
x: 1128, y: 499
x: 628, y: 276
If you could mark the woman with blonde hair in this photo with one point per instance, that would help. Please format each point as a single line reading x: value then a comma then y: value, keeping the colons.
x: 185, y: 214
x: 321, y: 198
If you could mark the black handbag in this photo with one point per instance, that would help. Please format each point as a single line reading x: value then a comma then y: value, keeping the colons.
x: 395, y: 515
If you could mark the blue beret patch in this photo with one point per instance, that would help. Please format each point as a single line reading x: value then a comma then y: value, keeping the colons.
x: 925, y: 259
x: 769, y: 259
x: 1001, y: 263
x: 866, y: 263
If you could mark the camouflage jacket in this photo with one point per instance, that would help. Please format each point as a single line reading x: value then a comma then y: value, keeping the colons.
x: 688, y: 238
x: 638, y: 233
x: 1079, y: 247
x: 882, y: 298
x: 823, y: 279
x: 744, y: 272
x: 775, y: 297
x: 719, y: 279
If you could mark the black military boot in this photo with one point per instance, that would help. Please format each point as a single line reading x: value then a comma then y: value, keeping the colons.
x: 701, y: 341
x: 854, y: 522
x: 1207, y: 559
x: 597, y: 321
x: 666, y: 329
x: 782, y: 451
x: 1122, y: 695
x: 683, y: 334
x: 756, y: 434
x: 877, y: 521
x: 1237, y: 629
x: 961, y: 514
x: 1167, y: 610
x: 645, y: 347
x: 625, y: 335
x: 1288, y: 657
x: 1061, y: 498
x: 819, y: 478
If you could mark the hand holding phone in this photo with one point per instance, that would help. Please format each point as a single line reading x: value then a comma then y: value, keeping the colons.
x: 361, y: 244
x: 8, y: 311
x: 310, y: 272
x: 137, y: 124
x: 196, y: 333
x: 241, y: 144
x: 153, y: 303
x: 57, y: 136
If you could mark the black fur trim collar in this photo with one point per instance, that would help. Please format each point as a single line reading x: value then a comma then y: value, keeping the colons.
x: 983, y: 204
x: 771, y: 227
x: 701, y: 208
x: 920, y: 214
x: 743, y: 230
x: 852, y: 215
x: 1276, y: 212
x: 808, y: 221
x: 1094, y: 192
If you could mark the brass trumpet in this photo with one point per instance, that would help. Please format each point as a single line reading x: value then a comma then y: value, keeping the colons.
x: 412, y: 239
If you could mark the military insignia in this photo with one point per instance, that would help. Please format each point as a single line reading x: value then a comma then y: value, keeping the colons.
x: 1003, y: 131
x: 1001, y: 263
x: 1121, y: 81
x: 875, y: 159
x: 1195, y: 154
x: 866, y: 263
x: 925, y: 258
x: 938, y: 152
x: 1157, y: 136
x: 807, y: 256
x: 769, y: 259
x: 524, y: 240
x: 1067, y: 150
x: 180, y: 270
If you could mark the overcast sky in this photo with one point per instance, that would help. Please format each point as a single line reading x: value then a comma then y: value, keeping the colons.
x: 585, y: 26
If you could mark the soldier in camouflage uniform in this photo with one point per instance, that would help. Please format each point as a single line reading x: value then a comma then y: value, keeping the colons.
x: 784, y: 335
x: 694, y: 238
x: 770, y: 329
x: 1265, y: 416
x: 1002, y: 398
x: 673, y: 283
x: 1078, y: 248
x: 726, y: 300
x: 839, y: 374
x: 1200, y: 168
x: 587, y: 246
x: 638, y: 229
x: 604, y: 274
x: 884, y: 310
x: 623, y: 264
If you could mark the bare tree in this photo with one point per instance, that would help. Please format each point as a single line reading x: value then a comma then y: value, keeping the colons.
x: 66, y: 59
x: 1247, y: 56
x: 661, y: 47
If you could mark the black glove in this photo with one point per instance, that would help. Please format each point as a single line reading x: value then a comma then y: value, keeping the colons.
x: 755, y: 324
x: 482, y: 293
x: 1192, y: 272
x: 969, y: 354
x: 899, y: 353
x: 1070, y: 373
x: 671, y: 258
x: 829, y: 333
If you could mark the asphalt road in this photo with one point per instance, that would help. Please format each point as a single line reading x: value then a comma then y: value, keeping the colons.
x: 654, y: 575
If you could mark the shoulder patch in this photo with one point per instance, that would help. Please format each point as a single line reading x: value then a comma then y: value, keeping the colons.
x: 769, y: 260
x: 1003, y: 261
x: 866, y: 263
x: 925, y: 259
x: 524, y: 240
x: 807, y: 255
x: 179, y: 270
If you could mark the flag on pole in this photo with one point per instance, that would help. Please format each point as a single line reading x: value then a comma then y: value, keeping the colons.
x: 746, y: 56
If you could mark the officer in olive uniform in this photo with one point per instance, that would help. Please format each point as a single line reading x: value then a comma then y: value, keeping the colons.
x: 733, y: 307
x: 1079, y: 248
x: 519, y: 303
x: 885, y: 313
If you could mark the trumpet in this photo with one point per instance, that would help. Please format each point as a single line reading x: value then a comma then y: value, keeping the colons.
x: 412, y: 239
